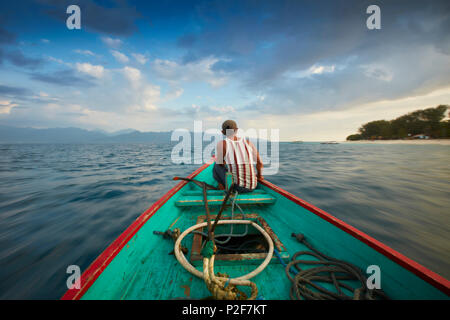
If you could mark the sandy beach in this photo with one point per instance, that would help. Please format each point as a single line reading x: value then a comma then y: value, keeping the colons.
x: 417, y: 142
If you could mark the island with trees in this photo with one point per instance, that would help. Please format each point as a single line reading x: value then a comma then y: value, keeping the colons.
x: 420, y: 124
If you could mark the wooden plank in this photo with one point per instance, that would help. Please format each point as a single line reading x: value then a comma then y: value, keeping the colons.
x: 216, y: 192
x: 217, y: 200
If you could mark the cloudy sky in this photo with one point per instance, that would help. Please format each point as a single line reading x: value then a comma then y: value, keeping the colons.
x: 311, y: 69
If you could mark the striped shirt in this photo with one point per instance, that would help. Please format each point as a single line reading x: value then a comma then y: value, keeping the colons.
x: 239, y: 159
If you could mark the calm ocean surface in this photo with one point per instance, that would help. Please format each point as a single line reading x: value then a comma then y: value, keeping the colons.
x: 64, y: 204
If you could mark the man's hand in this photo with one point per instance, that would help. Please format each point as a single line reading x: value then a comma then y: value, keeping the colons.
x: 259, y: 167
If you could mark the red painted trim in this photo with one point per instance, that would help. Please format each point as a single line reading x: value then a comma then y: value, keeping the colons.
x: 96, y: 268
x: 429, y: 276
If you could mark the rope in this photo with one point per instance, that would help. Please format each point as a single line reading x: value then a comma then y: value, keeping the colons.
x: 222, y: 287
x: 222, y: 208
x: 328, y: 270
x: 230, y: 234
x: 208, y: 216
x: 216, y: 285
x: 208, y: 249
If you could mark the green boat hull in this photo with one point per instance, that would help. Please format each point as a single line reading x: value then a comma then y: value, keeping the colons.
x: 138, y: 264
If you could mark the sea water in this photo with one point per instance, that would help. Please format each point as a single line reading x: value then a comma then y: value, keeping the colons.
x: 63, y: 204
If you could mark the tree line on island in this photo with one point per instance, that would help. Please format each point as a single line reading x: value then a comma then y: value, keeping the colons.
x: 427, y: 123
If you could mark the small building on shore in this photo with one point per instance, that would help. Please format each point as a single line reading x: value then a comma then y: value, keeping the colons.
x: 420, y: 136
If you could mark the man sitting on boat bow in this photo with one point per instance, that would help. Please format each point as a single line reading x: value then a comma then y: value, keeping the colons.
x: 236, y: 155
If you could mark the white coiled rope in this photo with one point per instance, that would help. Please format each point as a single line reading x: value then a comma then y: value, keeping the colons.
x: 240, y: 281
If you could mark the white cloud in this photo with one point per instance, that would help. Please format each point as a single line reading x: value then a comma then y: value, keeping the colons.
x: 56, y: 60
x: 321, y: 69
x: 120, y: 56
x: 82, y: 116
x: 166, y: 68
x: 95, y: 71
x: 60, y: 61
x: 142, y: 59
x: 85, y: 52
x: 378, y: 72
x: 45, y: 41
x: 214, y: 119
x: 6, y: 106
x: 150, y: 97
x: 314, y: 69
x: 225, y: 109
x: 217, y: 82
x: 193, y: 71
x: 338, y: 124
x: 133, y: 75
x: 44, y: 97
x: 174, y: 93
x: 143, y: 96
x: 111, y: 42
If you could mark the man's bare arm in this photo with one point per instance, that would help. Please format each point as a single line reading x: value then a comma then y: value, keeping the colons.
x: 259, y: 164
x: 221, y: 152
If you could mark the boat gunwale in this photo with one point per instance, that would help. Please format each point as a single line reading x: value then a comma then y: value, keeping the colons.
x: 103, y: 260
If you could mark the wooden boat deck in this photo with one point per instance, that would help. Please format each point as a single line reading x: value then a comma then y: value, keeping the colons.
x: 141, y: 267
x: 158, y: 275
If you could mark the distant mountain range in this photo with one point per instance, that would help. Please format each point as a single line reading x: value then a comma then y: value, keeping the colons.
x: 76, y: 135
x: 10, y: 134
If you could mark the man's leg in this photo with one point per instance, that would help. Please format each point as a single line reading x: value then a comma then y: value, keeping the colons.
x: 219, y: 174
x: 240, y: 189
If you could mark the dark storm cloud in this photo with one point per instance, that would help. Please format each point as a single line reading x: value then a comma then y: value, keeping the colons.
x: 13, y: 91
x: 6, y: 37
x: 17, y: 58
x: 63, y: 78
x: 8, y: 52
x: 262, y: 42
x: 118, y: 20
x: 272, y: 37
